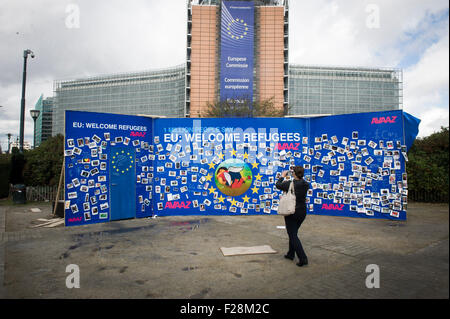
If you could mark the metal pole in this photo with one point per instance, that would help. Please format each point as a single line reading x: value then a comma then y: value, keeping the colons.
x: 9, y: 143
x: 22, y: 105
x: 34, y: 133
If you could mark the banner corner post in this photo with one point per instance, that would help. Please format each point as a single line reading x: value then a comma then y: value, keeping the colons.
x: 410, y: 128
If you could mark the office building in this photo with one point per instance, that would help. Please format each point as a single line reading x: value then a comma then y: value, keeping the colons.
x: 234, y: 50
x: 214, y: 28
x: 16, y: 144
x: 338, y: 90
x: 44, y: 121
x: 157, y: 92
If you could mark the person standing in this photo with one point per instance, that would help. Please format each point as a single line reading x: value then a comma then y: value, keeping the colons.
x: 294, y: 221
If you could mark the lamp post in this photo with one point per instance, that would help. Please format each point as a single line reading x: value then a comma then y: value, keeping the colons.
x: 9, y: 142
x: 22, y: 106
x: 34, y: 115
x: 9, y: 135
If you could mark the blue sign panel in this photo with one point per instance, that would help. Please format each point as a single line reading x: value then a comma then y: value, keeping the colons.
x: 237, y: 31
x: 120, y: 166
x: 223, y: 166
x: 106, y: 155
x: 357, y: 165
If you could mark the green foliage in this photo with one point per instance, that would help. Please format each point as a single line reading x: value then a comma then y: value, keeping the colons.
x: 234, y: 108
x: 43, y: 164
x: 5, y: 167
x: 16, y: 167
x: 428, y: 167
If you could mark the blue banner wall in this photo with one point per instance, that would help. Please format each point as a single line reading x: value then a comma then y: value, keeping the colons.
x: 91, y: 159
x: 226, y: 166
x: 358, y: 165
x: 237, y: 31
x: 355, y: 164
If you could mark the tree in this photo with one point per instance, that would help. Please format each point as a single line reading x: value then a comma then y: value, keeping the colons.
x: 5, y: 168
x: 43, y: 164
x: 427, y: 167
x: 243, y: 108
x: 17, y: 167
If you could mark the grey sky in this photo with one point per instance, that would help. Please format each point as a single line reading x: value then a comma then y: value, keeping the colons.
x: 114, y: 36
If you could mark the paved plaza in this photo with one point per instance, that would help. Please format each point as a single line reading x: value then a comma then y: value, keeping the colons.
x: 180, y: 257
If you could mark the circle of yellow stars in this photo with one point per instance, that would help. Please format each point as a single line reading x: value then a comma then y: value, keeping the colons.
x: 126, y: 169
x: 255, y: 190
x: 237, y: 36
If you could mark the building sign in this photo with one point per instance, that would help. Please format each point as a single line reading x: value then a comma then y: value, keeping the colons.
x: 237, y: 32
x: 120, y: 166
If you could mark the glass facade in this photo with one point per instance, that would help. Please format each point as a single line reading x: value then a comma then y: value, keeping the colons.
x: 159, y: 92
x: 312, y: 90
x: 338, y: 90
x: 44, y: 121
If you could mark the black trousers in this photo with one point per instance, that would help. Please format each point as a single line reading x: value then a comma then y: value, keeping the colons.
x: 293, y: 223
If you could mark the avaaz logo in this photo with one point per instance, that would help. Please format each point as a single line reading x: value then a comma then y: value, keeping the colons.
x: 175, y: 205
x: 288, y: 146
x: 333, y: 206
x: 384, y: 120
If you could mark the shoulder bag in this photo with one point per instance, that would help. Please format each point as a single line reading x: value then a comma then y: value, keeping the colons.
x: 287, y: 202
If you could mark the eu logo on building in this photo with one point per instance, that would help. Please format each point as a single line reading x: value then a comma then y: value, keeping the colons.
x: 237, y: 29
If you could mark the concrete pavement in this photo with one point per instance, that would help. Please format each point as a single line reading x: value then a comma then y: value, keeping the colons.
x: 180, y: 257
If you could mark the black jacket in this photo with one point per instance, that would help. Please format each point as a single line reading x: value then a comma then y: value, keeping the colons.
x: 300, y: 187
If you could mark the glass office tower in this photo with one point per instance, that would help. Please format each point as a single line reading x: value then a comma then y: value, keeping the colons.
x: 44, y: 121
x: 312, y: 90
x: 157, y: 92
x: 338, y: 90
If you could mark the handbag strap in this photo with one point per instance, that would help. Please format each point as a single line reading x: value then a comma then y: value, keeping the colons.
x: 291, y: 187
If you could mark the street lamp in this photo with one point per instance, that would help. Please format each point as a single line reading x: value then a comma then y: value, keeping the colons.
x: 22, y: 107
x: 34, y: 115
x: 9, y: 142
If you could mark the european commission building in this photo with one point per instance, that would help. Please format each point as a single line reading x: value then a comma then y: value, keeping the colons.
x: 234, y: 50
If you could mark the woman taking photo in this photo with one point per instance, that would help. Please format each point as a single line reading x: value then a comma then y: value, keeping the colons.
x: 294, y: 221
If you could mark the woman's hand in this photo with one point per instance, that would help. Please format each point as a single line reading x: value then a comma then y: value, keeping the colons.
x: 284, y: 174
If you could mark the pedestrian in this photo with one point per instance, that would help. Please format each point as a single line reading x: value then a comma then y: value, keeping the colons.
x: 294, y: 221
